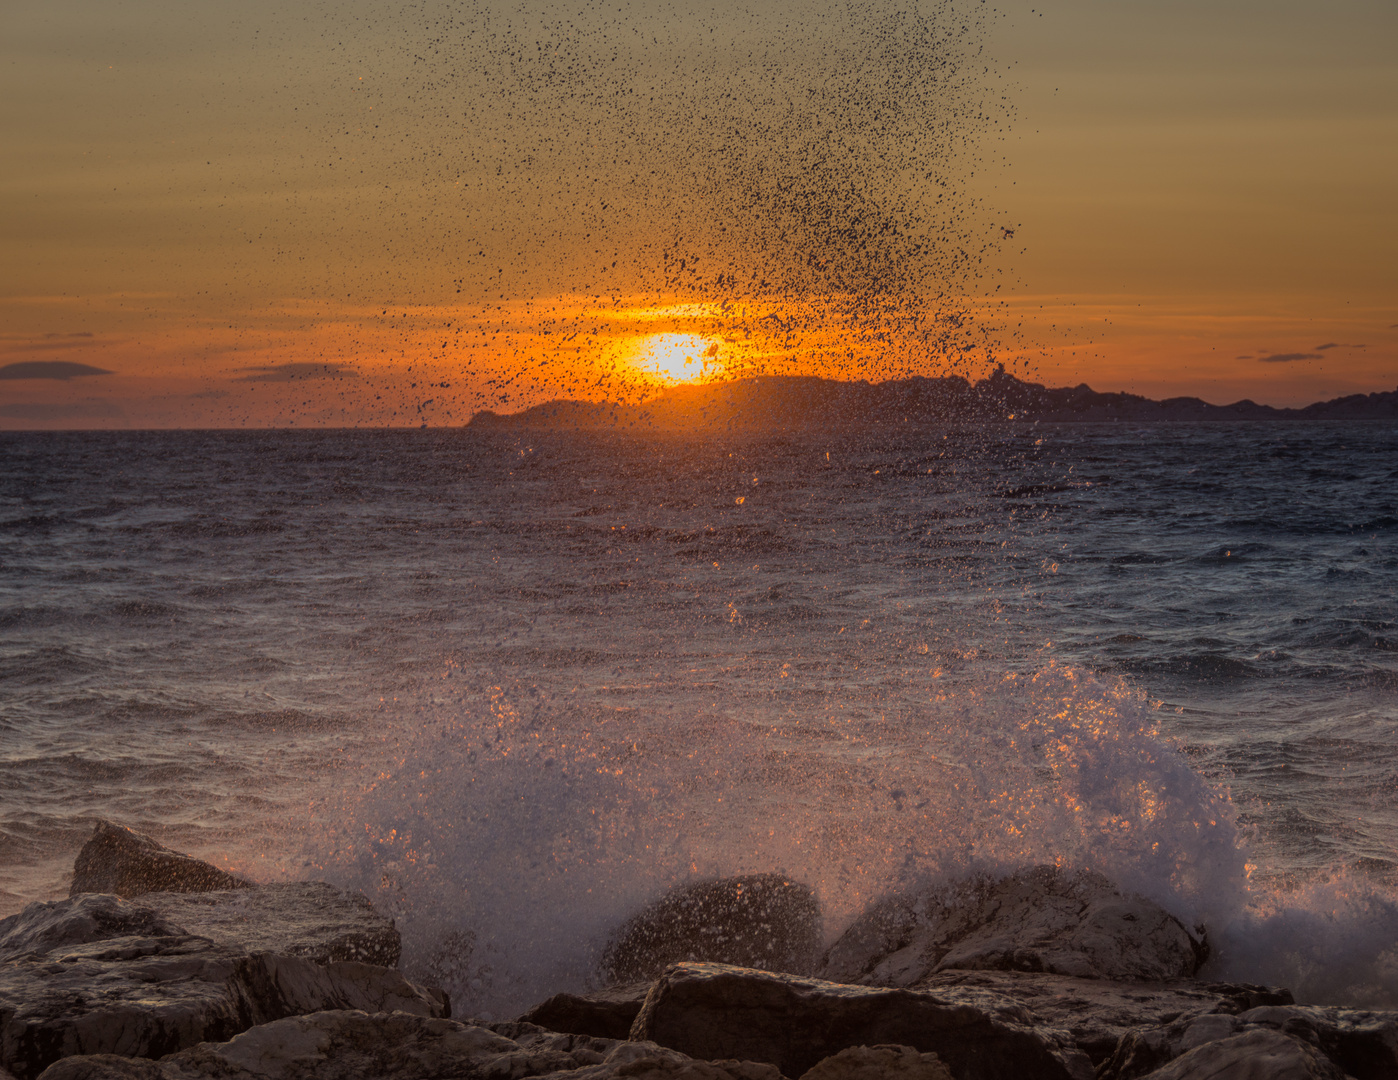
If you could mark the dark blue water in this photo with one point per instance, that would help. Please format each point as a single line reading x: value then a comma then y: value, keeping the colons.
x: 481, y: 673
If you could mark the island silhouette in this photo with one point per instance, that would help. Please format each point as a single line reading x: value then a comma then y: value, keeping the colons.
x: 795, y: 401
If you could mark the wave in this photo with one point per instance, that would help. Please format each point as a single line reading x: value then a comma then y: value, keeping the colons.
x: 531, y: 829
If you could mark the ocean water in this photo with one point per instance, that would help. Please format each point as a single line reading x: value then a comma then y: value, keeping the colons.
x: 515, y: 684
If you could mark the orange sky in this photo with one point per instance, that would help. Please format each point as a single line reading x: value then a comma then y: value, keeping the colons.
x: 364, y: 214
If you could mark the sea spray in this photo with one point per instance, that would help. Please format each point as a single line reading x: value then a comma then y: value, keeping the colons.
x: 1330, y: 941
x: 509, y: 837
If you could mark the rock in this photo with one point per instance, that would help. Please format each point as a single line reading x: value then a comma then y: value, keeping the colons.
x: 296, y: 918
x: 879, y: 1063
x: 1039, y: 919
x: 761, y: 921
x: 122, y: 861
x: 608, y: 1013
x: 118, y: 977
x: 352, y: 1045
x: 44, y: 927
x: 1259, y: 1054
x: 647, y: 1061
x: 716, y: 1011
x: 1095, y: 1012
x: 1360, y: 1043
x: 1363, y: 1042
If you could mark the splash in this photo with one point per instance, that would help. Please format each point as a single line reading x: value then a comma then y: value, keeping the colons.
x: 508, y: 839
x: 1329, y: 941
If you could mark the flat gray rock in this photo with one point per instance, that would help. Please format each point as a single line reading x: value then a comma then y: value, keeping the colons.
x: 97, y: 974
x: 295, y: 918
x: 1039, y: 919
x: 353, y: 1045
x: 122, y: 861
x: 715, y: 1011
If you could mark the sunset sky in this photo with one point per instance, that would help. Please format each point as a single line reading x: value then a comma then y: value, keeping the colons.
x: 370, y: 213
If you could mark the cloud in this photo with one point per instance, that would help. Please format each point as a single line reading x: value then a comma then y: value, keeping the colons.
x: 1288, y: 357
x: 1247, y: 357
x: 49, y: 369
x: 1337, y: 345
x: 52, y: 343
x: 291, y: 372
x: 97, y: 408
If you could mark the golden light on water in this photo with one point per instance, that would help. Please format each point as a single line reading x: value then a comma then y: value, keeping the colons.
x: 677, y: 358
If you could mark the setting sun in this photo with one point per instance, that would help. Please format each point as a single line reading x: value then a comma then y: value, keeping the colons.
x: 677, y: 357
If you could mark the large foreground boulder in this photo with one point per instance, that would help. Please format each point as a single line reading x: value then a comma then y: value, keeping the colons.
x: 351, y: 1045
x: 97, y: 974
x: 717, y: 1011
x: 761, y: 921
x: 122, y: 861
x: 1039, y: 919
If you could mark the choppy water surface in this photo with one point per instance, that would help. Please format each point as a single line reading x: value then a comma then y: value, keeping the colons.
x: 513, y: 685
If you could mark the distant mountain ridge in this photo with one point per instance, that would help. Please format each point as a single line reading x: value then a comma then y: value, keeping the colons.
x: 786, y: 401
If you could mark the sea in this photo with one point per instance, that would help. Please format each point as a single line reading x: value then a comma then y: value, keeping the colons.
x: 515, y: 684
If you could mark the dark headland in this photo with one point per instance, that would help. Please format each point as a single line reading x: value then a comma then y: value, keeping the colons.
x: 787, y: 401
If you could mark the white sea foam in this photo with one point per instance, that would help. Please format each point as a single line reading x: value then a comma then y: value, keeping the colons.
x: 521, y: 833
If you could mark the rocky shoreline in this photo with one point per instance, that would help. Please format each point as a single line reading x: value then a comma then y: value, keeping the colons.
x: 160, y: 967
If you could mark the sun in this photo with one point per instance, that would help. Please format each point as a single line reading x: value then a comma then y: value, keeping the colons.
x: 676, y: 358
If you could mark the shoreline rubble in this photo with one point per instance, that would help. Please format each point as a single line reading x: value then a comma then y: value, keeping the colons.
x: 1043, y: 973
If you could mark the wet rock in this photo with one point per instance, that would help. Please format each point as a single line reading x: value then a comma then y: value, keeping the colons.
x: 1361, y: 1043
x: 879, y: 1063
x: 606, y: 1013
x: 122, y: 861
x: 296, y: 918
x: 1095, y: 1012
x: 1259, y: 1054
x: 1039, y: 919
x: 353, y: 1045
x: 716, y: 1011
x: 761, y: 921
x: 96, y: 974
x: 44, y: 927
